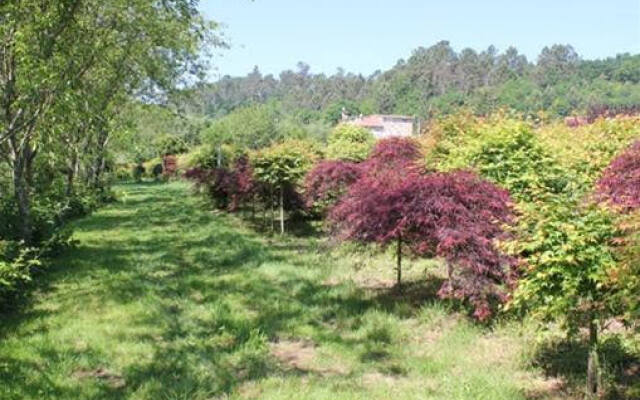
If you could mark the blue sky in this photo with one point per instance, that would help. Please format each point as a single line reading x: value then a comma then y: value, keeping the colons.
x: 363, y: 36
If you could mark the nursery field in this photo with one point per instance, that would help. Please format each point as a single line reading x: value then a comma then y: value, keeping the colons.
x: 164, y: 299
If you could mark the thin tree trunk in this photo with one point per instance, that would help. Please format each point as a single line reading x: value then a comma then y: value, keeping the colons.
x: 281, y: 210
x: 399, y: 263
x: 70, y: 179
x: 264, y: 212
x: 593, y: 364
x: 253, y: 208
x: 98, y: 168
x: 273, y: 212
x: 21, y: 192
x: 29, y: 156
x: 100, y: 162
x: 71, y: 174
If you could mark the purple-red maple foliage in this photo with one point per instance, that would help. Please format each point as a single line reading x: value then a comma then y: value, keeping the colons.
x: 327, y: 181
x: 620, y: 183
x: 243, y: 185
x: 456, y: 216
x: 219, y: 183
x: 394, y: 154
x: 229, y: 188
x: 195, y: 174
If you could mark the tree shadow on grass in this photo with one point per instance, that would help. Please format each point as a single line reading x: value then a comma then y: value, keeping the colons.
x: 210, y: 309
x: 567, y: 359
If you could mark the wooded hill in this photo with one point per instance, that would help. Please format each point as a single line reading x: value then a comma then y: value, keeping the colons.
x: 436, y: 80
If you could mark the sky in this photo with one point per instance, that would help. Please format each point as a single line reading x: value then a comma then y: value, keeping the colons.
x: 364, y: 36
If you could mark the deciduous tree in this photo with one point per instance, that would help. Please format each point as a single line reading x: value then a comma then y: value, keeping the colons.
x: 282, y: 167
x: 328, y: 181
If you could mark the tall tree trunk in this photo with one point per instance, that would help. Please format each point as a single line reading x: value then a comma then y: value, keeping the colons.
x: 399, y: 263
x: 98, y: 168
x: 281, y: 210
x: 71, y: 174
x: 29, y: 156
x: 21, y: 191
x: 70, y: 178
x: 593, y: 364
x: 99, y: 162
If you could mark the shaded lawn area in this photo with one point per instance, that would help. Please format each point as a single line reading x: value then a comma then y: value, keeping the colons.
x: 163, y: 299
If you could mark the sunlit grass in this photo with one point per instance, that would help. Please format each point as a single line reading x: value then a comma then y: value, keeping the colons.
x: 163, y: 299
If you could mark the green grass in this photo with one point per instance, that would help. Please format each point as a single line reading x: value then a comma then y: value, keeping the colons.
x: 163, y: 299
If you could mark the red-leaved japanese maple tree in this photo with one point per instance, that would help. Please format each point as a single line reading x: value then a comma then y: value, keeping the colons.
x: 620, y: 183
x: 327, y: 181
x: 243, y: 183
x: 393, y: 155
x: 227, y: 187
x: 456, y: 216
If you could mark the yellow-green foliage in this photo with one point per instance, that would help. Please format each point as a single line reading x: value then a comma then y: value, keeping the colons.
x: 626, y: 276
x: 122, y: 171
x: 550, y: 171
x: 503, y: 150
x: 587, y: 150
x: 445, y: 134
x: 285, y: 163
x: 150, y: 165
x: 350, y: 143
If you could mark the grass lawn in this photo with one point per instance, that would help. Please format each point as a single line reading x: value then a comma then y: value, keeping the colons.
x: 164, y: 299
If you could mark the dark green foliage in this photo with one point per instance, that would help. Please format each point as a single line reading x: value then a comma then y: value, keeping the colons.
x: 333, y: 113
x: 137, y: 172
x: 438, y: 80
x: 157, y: 171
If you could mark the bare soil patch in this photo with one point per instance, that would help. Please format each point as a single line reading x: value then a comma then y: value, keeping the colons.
x: 112, y: 379
x: 301, y: 356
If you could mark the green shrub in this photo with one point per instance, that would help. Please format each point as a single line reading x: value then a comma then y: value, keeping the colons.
x: 350, y: 143
x: 149, y: 165
x: 285, y: 163
x: 282, y: 167
x: 206, y: 156
x: 122, y: 172
x: 19, y: 264
x: 16, y: 264
x: 170, y: 145
x: 507, y: 152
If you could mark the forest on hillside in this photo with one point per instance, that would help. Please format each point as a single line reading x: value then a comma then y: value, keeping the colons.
x: 434, y: 81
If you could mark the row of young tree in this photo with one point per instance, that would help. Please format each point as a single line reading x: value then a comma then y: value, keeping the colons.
x: 523, y: 220
x: 68, y: 70
x: 433, y: 81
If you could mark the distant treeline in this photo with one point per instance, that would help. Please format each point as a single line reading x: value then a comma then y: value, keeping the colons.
x: 437, y: 80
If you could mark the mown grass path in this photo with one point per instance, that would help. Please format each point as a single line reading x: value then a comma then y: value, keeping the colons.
x: 164, y: 299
